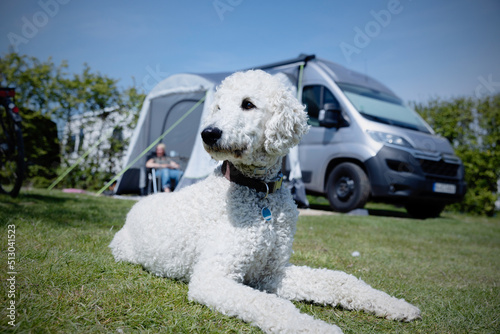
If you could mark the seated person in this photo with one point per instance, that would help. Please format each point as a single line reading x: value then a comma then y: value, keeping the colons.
x: 166, y: 168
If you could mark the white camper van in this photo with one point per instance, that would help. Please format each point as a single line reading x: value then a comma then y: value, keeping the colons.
x: 363, y: 143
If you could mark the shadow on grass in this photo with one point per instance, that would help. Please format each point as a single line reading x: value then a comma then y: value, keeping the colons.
x: 382, y: 212
x: 24, y: 198
x: 32, y: 206
x: 62, y: 209
x: 388, y: 213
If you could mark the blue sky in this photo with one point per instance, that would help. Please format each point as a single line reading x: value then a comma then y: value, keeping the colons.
x: 421, y: 49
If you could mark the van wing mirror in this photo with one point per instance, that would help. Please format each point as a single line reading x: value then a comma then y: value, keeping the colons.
x: 330, y: 116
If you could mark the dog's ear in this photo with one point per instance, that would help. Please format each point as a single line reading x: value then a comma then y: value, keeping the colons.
x: 287, y: 124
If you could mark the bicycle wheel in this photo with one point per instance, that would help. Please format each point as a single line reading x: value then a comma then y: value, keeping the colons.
x: 11, y: 153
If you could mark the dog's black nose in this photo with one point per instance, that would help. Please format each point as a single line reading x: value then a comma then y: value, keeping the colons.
x: 211, y: 135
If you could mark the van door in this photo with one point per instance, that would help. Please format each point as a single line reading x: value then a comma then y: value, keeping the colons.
x: 316, y: 147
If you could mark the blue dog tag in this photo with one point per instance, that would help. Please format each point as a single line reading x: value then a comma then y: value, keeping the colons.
x: 266, y: 213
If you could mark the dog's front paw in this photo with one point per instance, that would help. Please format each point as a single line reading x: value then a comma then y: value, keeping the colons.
x: 403, y: 311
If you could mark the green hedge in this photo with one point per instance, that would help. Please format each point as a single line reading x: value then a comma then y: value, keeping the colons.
x: 472, y: 125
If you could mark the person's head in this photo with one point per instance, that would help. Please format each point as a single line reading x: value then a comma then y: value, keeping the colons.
x: 160, y: 150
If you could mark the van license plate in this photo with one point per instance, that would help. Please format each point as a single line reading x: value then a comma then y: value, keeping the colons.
x: 446, y: 188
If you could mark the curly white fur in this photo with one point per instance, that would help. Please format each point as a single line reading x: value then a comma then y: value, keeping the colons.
x: 212, y: 234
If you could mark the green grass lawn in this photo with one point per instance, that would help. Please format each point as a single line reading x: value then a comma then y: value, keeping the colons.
x: 66, y: 280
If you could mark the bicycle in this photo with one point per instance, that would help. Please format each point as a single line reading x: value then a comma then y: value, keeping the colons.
x: 11, y: 144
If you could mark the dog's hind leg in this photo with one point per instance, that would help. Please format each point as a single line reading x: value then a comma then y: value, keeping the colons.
x: 266, y: 311
x: 324, y: 286
x: 122, y: 247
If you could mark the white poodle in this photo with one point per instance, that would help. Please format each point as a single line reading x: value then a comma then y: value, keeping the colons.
x: 230, y: 236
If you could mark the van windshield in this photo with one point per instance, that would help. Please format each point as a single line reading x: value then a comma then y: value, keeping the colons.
x: 382, y: 107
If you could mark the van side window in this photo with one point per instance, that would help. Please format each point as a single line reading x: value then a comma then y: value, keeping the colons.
x: 329, y: 98
x: 311, y: 97
x: 315, y: 97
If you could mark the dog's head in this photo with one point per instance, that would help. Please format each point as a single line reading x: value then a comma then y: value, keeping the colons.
x: 253, y: 120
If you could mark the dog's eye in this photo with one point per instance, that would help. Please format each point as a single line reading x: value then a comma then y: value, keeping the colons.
x: 247, y: 105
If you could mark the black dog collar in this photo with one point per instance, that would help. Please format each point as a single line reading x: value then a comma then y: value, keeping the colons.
x: 234, y: 175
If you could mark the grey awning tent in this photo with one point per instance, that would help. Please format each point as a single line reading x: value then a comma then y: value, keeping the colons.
x: 164, y: 106
x: 171, y: 108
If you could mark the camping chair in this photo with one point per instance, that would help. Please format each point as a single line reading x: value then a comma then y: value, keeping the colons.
x: 154, y: 181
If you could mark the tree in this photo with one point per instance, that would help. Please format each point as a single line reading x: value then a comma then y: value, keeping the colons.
x: 42, y: 148
x: 45, y: 90
x: 34, y: 80
x: 99, y: 94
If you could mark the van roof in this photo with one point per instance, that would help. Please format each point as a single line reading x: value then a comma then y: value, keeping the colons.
x: 341, y: 74
x: 336, y: 71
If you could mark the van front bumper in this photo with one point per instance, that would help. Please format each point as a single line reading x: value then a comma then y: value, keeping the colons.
x: 399, y: 175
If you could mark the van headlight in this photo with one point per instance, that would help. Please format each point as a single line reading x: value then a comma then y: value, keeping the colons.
x: 388, y: 138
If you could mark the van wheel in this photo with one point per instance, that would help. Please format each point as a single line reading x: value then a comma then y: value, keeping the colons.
x: 424, y: 209
x: 348, y: 187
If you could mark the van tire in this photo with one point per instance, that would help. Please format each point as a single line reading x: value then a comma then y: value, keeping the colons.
x: 424, y: 209
x: 347, y: 188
